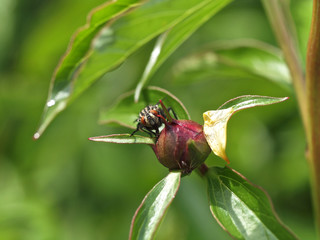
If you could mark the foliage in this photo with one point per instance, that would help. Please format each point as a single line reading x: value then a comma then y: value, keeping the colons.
x: 64, y: 187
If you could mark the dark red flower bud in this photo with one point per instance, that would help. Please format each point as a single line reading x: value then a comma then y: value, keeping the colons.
x: 182, y: 146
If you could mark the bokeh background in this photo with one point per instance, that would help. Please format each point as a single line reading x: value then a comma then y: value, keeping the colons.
x: 66, y: 187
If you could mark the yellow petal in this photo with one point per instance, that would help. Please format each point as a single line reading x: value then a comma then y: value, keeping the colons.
x: 215, y: 130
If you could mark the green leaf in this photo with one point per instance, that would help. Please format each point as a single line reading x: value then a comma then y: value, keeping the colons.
x: 233, y: 60
x: 153, y: 207
x: 169, y: 41
x: 243, y: 209
x: 249, y: 101
x: 215, y: 121
x: 123, y: 139
x: 80, y: 44
x: 126, y: 111
x: 150, y: 67
x: 101, y: 50
x: 77, y: 53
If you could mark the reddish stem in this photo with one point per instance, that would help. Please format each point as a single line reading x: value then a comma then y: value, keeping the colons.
x: 203, y: 168
x: 313, y: 91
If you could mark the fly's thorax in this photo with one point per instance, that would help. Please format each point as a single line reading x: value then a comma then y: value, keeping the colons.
x: 148, y: 116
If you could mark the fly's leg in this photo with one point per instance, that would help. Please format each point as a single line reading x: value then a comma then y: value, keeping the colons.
x: 149, y: 131
x: 142, y: 128
x: 174, y: 114
x: 137, y: 129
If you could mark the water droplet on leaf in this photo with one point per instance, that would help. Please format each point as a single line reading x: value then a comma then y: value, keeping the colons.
x: 51, y: 103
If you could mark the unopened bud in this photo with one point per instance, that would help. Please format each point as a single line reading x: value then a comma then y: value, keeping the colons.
x: 182, y: 146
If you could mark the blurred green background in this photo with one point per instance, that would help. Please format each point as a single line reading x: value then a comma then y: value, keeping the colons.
x: 66, y: 187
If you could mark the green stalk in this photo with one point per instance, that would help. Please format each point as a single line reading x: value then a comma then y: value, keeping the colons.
x: 283, y: 27
x: 308, y: 89
x: 313, y: 95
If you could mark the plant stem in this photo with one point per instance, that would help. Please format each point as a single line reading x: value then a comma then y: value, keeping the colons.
x: 313, y: 94
x: 203, y: 169
x: 284, y: 30
x: 307, y: 90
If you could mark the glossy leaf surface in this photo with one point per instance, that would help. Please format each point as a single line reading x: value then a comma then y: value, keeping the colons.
x: 233, y: 60
x: 169, y: 41
x: 125, y: 112
x: 78, y: 52
x: 242, y: 209
x: 153, y: 207
x: 215, y: 121
x: 123, y: 139
x: 98, y: 50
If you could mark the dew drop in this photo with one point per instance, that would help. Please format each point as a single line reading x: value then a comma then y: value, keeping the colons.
x: 51, y: 103
x: 36, y: 136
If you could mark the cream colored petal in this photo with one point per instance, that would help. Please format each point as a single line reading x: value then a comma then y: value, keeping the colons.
x: 215, y: 130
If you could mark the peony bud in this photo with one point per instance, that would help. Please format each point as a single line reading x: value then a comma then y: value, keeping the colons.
x: 182, y: 146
